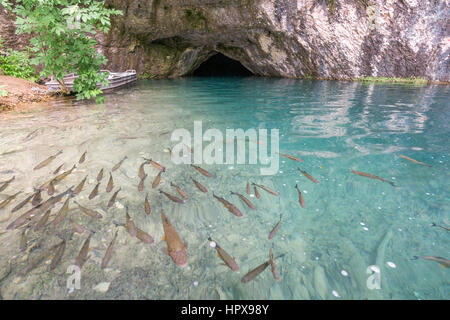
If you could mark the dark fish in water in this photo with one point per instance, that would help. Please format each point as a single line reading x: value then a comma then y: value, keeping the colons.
x: 47, y: 161
x: 129, y: 224
x: 156, y: 165
x: 290, y: 157
x: 231, y: 207
x: 58, y: 255
x: 141, y: 183
x: 253, y: 273
x: 445, y: 263
x: 31, y: 135
x: 57, y: 179
x: 147, y: 205
x: 256, y: 192
x: 37, y: 197
x: 202, y: 171
x: 113, y: 198
x: 275, y: 229
x: 38, y: 259
x: 94, y: 191
x: 5, y: 202
x: 82, y: 158
x: 108, y: 253
x: 42, y: 221
x: 100, y: 175
x: 300, y: 197
x: 180, y: 191
x: 6, y: 183
x: 176, y: 249
x: 415, y: 161
x: 306, y: 174
x: 157, y: 180
x: 141, y: 172
x: 83, y: 254
x: 79, y: 187
x: 51, y: 188
x: 76, y: 227
x: 275, y: 272
x: 267, y: 189
x: 117, y: 166
x: 247, y: 202
x: 110, y: 185
x: 144, y: 236
x: 199, y: 186
x: 371, y: 176
x: 222, y: 254
x: 89, y: 212
x: 171, y: 197
x: 24, y: 202
x: 248, y: 188
x: 62, y: 212
x: 57, y: 169
x: 436, y: 225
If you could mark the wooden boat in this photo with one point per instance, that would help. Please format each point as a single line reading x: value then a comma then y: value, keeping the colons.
x: 115, y: 80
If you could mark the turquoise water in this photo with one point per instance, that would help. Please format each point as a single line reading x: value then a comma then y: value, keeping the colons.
x: 348, y: 224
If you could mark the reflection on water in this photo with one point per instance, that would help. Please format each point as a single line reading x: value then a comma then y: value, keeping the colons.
x: 349, y: 222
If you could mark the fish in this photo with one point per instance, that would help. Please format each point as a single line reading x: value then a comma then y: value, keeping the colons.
x: 176, y: 249
x: 76, y: 227
x: 275, y: 271
x: 222, y: 254
x: 117, y: 166
x: 79, y: 186
x: 23, y: 240
x: 144, y: 236
x: 108, y: 253
x: 6, y: 183
x: 202, y: 171
x: 58, y: 255
x: 147, y: 207
x: 180, y: 191
x: 275, y: 229
x: 5, y: 202
x: 231, y: 207
x: 156, y: 164
x: 157, y: 180
x: 445, y: 263
x: 37, y: 260
x: 94, y: 191
x: 300, y: 197
x: 36, y: 211
x: 412, y: 160
x: 82, y: 158
x: 141, y: 183
x: 253, y: 273
x: 82, y: 257
x: 110, y: 185
x: 62, y: 212
x: 47, y: 161
x: 42, y: 221
x: 89, y: 212
x: 113, y: 198
x: 31, y: 135
x: 267, y: 189
x: 129, y: 224
x: 436, y: 225
x: 368, y: 175
x: 171, y: 197
x: 141, y: 172
x: 57, y: 179
x: 51, y: 188
x: 257, y: 195
x: 248, y: 188
x: 23, y: 203
x: 100, y: 175
x: 306, y: 174
x: 199, y: 186
x: 57, y: 169
x: 247, y: 202
x: 37, y: 197
x: 290, y: 157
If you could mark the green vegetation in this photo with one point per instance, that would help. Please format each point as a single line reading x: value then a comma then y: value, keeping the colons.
x: 63, y: 39
x: 145, y: 76
x: 411, y: 80
x: 16, y: 63
x: 195, y: 17
x: 3, y: 92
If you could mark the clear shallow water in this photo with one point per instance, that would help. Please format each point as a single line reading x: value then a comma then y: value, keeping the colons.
x: 335, y: 127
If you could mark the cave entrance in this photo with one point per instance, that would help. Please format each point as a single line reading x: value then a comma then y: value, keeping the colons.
x: 220, y: 65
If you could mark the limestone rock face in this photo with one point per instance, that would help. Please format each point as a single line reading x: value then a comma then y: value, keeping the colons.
x: 333, y: 39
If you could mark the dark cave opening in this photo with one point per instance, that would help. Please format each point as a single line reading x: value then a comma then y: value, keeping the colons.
x: 220, y: 65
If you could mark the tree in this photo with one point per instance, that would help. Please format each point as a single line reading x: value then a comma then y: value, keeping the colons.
x: 63, y: 39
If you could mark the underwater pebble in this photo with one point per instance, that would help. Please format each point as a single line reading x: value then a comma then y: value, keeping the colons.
x: 399, y: 229
x: 379, y: 208
x: 119, y: 205
x: 362, y: 223
x: 231, y: 168
x: 195, y: 283
x: 281, y: 171
x: 243, y: 239
x: 305, y: 191
x: 102, y: 287
x: 393, y: 178
x: 391, y: 264
x: 344, y: 273
x: 212, y: 244
x: 334, y: 292
x: 252, y: 195
x: 284, y: 184
x: 365, y: 228
x: 375, y: 269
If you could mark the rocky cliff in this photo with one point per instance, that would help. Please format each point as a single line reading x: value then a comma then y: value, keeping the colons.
x: 333, y: 39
